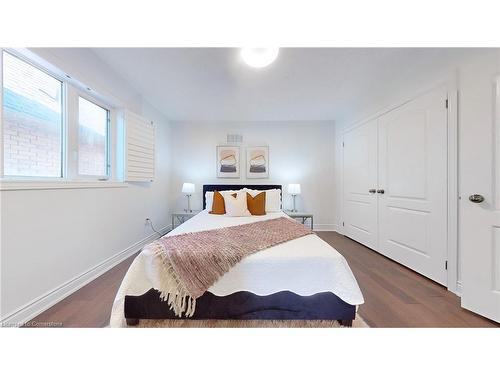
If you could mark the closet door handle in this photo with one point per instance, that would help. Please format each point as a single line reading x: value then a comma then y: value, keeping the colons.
x: 476, y: 198
x: 380, y: 191
x: 373, y: 191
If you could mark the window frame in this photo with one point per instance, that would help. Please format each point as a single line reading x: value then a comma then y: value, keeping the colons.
x: 71, y: 91
x: 91, y: 99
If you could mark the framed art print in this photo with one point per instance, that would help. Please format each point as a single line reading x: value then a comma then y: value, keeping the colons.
x: 258, y: 162
x: 228, y: 161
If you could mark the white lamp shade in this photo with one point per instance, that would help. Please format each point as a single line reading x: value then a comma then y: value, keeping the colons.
x: 294, y: 189
x: 187, y: 188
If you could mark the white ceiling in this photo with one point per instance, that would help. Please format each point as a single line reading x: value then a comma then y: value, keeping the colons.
x: 212, y: 84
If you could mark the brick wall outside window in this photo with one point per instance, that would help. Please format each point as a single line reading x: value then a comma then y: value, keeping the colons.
x: 31, y: 138
x: 32, y: 126
x: 91, y: 153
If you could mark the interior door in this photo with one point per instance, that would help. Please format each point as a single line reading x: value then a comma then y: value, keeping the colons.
x: 480, y: 219
x: 360, y: 183
x: 412, y: 189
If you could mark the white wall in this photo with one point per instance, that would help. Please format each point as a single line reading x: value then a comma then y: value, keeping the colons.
x: 299, y: 152
x: 85, y: 66
x: 50, y: 237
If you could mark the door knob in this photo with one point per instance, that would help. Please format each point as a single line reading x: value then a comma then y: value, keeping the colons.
x: 476, y: 198
x: 372, y: 191
x: 380, y: 191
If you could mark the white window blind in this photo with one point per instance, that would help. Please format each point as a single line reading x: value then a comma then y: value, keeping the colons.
x: 139, y: 148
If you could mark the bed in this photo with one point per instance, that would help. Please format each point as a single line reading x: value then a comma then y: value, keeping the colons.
x: 304, y: 278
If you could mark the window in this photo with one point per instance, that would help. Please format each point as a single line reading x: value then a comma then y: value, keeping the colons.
x: 32, y: 120
x: 92, y: 139
x: 54, y: 128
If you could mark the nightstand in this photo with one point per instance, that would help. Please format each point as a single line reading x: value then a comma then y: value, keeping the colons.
x: 303, y: 216
x: 182, y: 216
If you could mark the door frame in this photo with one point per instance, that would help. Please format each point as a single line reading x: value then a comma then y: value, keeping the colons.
x: 453, y: 193
x: 450, y: 85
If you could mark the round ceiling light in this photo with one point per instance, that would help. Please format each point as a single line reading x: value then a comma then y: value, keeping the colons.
x: 259, y: 57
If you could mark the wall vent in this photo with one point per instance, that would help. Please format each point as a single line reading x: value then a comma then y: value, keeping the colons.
x: 234, y: 138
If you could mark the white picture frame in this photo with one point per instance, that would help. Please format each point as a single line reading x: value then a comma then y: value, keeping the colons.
x: 228, y: 162
x: 257, y: 162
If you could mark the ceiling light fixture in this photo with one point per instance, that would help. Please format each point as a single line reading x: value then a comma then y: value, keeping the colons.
x: 259, y: 57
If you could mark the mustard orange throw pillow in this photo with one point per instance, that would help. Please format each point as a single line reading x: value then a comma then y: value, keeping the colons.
x: 257, y: 205
x: 218, y: 206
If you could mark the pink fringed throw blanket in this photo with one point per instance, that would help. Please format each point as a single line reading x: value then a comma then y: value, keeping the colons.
x: 192, y: 262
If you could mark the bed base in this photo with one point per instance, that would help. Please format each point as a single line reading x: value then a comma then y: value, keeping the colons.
x: 132, y: 321
x: 245, y: 306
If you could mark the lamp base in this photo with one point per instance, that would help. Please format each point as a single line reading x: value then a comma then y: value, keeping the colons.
x: 188, y: 209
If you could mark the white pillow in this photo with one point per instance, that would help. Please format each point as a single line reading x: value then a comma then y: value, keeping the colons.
x: 236, y: 206
x: 209, y: 197
x: 273, y: 198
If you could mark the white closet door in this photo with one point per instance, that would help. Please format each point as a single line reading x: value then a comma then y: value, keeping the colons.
x: 413, y: 177
x: 480, y: 221
x: 360, y: 177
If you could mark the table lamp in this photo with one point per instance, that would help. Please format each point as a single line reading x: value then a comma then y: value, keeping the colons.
x: 294, y: 190
x: 188, y: 189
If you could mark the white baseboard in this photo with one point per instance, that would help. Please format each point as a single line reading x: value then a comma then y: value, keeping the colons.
x: 49, y: 299
x: 456, y: 289
x: 326, y: 228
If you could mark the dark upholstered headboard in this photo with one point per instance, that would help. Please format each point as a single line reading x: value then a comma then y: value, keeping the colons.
x: 235, y: 187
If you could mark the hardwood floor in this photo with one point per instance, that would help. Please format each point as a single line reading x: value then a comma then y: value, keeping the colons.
x: 91, y: 305
x: 394, y: 295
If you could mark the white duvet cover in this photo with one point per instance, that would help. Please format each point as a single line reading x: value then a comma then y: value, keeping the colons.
x: 304, y: 266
